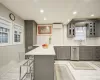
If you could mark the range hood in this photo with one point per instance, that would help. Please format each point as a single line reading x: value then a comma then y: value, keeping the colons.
x: 80, y: 24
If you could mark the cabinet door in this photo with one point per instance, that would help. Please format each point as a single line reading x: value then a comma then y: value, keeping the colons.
x: 28, y: 35
x: 66, y: 52
x: 96, y: 55
x: 59, y: 53
x: 98, y: 28
x: 70, y: 30
x: 91, y: 29
x: 62, y: 52
x: 55, y: 48
x: 85, y: 52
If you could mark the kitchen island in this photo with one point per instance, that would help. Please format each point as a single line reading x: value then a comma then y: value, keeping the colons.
x: 43, y: 63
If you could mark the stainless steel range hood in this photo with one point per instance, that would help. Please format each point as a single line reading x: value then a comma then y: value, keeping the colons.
x: 80, y: 24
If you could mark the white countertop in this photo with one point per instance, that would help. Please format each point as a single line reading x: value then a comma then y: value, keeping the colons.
x: 41, y: 51
x: 68, y: 45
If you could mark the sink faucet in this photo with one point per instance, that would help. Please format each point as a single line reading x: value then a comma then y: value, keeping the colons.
x: 80, y: 42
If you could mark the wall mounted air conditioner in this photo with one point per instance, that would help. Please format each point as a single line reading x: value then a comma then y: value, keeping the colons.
x: 57, y: 26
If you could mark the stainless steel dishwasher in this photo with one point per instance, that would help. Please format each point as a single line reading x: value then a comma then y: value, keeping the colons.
x: 74, y: 53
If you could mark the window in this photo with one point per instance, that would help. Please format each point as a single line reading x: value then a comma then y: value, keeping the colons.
x: 5, y: 28
x: 17, y: 36
x: 4, y: 32
x: 17, y: 33
x: 80, y: 33
x: 10, y: 33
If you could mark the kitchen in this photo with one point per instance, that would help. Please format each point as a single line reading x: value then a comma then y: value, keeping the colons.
x: 85, y: 48
x: 59, y: 42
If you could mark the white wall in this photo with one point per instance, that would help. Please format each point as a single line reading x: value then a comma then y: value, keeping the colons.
x: 42, y: 39
x: 59, y: 37
x: 9, y: 53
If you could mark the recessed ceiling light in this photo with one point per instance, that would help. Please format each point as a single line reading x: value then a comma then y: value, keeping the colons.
x: 68, y: 20
x: 74, y: 12
x: 92, y: 14
x: 42, y: 11
x: 45, y: 18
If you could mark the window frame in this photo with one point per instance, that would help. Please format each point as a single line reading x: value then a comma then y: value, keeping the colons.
x: 21, y: 36
x: 7, y: 22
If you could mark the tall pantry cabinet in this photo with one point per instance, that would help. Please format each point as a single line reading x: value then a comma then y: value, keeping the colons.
x: 30, y: 34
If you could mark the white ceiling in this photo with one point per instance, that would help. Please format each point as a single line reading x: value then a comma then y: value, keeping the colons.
x: 54, y: 10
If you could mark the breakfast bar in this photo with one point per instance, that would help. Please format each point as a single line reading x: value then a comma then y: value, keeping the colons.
x: 43, y: 62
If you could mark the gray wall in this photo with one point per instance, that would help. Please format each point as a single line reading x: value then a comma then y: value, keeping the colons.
x: 8, y: 53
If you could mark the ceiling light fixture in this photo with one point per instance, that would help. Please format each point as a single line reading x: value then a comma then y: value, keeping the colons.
x: 68, y: 20
x: 74, y: 12
x: 42, y: 11
x: 92, y: 14
x: 45, y: 18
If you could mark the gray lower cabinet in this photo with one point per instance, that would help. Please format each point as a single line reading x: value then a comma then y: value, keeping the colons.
x: 86, y: 52
x: 62, y: 52
x: 96, y: 54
